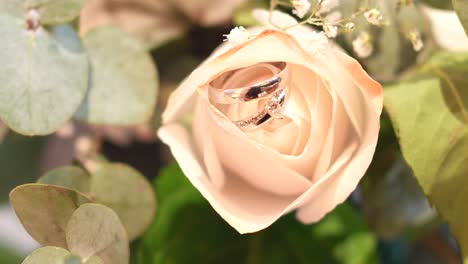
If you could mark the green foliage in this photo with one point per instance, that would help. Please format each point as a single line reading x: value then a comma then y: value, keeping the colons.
x: 55, y: 12
x: 128, y: 193
x: 44, y: 76
x: 124, y: 80
x: 51, y: 255
x: 115, y: 185
x: 442, y: 4
x: 188, y: 230
x: 8, y: 256
x: 95, y: 230
x: 70, y: 177
x: 94, y: 235
x: 19, y: 160
x: 429, y: 114
x: 47, y: 75
x: 44, y: 210
x: 51, y: 12
x: 461, y: 7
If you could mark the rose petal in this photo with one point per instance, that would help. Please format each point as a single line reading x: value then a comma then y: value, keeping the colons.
x: 245, y: 208
x: 371, y: 89
x: 242, y: 156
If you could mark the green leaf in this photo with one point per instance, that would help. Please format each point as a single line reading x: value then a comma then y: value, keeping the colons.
x: 124, y: 80
x: 94, y: 260
x: 8, y: 256
x: 16, y: 151
x: 70, y: 177
x: 44, y: 76
x: 57, y: 255
x: 54, y: 12
x: 441, y: 4
x: 429, y: 115
x: 44, y: 211
x: 95, y: 229
x: 187, y: 230
x: 461, y: 7
x: 49, y: 255
x: 128, y: 193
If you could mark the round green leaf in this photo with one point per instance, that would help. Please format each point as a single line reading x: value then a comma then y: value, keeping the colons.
x: 44, y: 211
x: 44, y: 76
x: 128, y: 193
x: 124, y: 80
x: 54, y: 12
x: 70, y: 177
x: 48, y: 255
x: 94, y: 260
x: 95, y: 229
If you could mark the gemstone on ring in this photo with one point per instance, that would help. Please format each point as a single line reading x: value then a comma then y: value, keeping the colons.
x: 272, y: 110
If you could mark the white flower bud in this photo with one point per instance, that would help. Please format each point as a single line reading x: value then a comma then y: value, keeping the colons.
x: 350, y: 26
x: 238, y: 35
x: 330, y: 30
x: 362, y: 45
x: 415, y: 37
x: 374, y: 17
x: 301, y: 7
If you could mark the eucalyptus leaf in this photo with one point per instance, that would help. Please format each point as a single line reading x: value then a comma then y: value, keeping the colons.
x: 128, y: 193
x: 44, y: 76
x: 461, y: 7
x: 430, y: 118
x: 187, y: 230
x: 44, y: 211
x: 94, y: 260
x: 70, y: 177
x: 54, y: 12
x: 49, y: 255
x: 124, y: 82
x: 95, y: 229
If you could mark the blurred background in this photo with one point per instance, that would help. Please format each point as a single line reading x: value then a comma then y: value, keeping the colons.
x: 180, y: 34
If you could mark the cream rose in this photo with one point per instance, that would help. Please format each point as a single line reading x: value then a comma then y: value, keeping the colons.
x: 310, y: 164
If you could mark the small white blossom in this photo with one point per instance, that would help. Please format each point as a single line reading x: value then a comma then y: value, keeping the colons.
x: 415, y: 37
x: 362, y: 45
x: 33, y: 19
x: 330, y: 30
x: 314, y: 41
x: 374, y: 17
x: 350, y: 26
x: 238, y: 35
x: 301, y: 7
x: 328, y: 5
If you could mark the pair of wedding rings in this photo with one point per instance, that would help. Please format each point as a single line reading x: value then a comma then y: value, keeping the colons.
x: 271, y: 93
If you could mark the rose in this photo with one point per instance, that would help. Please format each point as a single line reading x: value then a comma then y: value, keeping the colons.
x: 312, y: 164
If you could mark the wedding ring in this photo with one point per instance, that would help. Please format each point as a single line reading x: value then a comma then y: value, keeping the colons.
x: 272, y: 110
x: 270, y: 95
x: 221, y: 91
